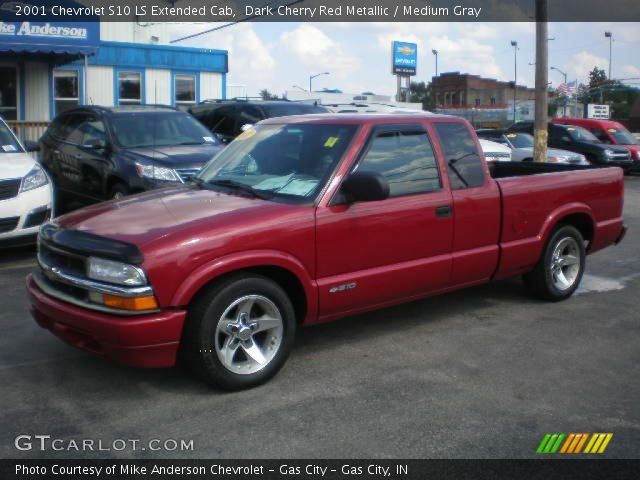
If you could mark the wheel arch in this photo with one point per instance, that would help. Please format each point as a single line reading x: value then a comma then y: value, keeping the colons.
x: 282, y: 268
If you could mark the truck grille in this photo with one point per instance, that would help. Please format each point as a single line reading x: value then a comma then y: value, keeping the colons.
x: 9, y: 188
x: 8, y: 224
x: 187, y: 173
x: 64, y: 261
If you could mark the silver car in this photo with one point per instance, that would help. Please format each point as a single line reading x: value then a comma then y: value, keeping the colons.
x: 521, y: 145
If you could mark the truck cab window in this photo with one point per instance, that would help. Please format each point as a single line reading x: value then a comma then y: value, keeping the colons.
x: 464, y: 165
x: 405, y: 159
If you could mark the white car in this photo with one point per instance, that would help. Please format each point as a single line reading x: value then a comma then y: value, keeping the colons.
x: 26, y: 194
x: 521, y: 145
x: 495, y: 152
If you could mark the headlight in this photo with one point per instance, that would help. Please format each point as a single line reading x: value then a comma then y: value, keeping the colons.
x: 115, y: 272
x: 158, y: 173
x: 36, y: 178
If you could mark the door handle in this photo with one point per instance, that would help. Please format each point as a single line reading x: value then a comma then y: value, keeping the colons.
x: 443, y: 211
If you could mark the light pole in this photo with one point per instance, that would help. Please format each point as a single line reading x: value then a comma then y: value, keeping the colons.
x: 609, y: 35
x: 514, y: 44
x: 435, y: 93
x: 311, y: 77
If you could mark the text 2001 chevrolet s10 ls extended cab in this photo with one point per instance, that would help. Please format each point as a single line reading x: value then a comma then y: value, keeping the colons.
x: 306, y: 219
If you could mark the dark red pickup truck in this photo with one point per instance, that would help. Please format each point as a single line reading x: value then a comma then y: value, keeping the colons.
x: 306, y: 219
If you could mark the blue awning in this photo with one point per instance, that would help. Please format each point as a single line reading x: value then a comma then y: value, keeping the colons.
x: 48, y: 49
x: 46, y: 36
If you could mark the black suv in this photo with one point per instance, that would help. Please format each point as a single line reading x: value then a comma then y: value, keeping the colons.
x: 227, y: 118
x: 96, y: 153
x: 580, y: 140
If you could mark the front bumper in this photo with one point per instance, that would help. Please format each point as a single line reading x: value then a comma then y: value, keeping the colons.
x: 31, y: 208
x: 150, y: 340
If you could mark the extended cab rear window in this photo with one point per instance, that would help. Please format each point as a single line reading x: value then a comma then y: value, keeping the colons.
x: 464, y: 165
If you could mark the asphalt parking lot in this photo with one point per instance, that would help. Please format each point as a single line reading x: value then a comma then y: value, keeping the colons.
x: 480, y: 373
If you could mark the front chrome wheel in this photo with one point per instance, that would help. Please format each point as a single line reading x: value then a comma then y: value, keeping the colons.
x: 249, y: 334
x: 565, y: 263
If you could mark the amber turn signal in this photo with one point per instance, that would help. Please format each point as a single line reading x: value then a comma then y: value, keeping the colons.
x: 130, y: 303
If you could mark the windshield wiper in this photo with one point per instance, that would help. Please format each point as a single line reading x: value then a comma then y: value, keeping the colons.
x: 239, y: 186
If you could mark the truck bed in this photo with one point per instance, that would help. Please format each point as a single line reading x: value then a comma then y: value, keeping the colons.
x: 535, y: 197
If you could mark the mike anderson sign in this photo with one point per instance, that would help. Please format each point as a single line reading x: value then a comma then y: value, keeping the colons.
x: 46, y: 30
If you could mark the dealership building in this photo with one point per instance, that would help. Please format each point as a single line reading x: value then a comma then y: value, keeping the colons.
x: 49, y: 67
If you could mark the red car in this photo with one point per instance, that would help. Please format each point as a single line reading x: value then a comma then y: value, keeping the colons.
x: 306, y: 219
x: 609, y: 132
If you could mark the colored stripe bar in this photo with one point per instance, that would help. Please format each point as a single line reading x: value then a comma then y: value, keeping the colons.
x: 543, y: 443
x: 605, y: 442
x: 551, y: 443
x: 573, y: 445
x: 599, y: 440
x: 555, y: 447
x: 581, y: 443
x: 593, y: 439
x: 567, y: 443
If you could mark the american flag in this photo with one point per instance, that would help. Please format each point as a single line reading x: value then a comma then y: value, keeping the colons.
x: 567, y: 89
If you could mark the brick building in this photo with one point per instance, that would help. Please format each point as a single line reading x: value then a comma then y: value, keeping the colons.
x: 461, y: 90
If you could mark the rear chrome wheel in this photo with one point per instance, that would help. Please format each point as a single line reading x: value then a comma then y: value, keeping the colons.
x: 559, y: 271
x: 565, y: 263
x: 249, y: 334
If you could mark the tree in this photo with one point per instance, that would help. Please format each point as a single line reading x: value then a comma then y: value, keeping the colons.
x: 420, y: 92
x: 266, y: 95
x: 597, y: 77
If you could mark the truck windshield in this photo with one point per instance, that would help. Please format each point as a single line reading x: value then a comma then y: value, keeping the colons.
x: 623, y: 136
x: 8, y: 142
x: 153, y: 129
x: 580, y: 134
x: 282, y: 162
x: 520, y: 140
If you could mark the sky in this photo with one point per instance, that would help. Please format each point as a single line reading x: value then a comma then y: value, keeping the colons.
x: 277, y: 56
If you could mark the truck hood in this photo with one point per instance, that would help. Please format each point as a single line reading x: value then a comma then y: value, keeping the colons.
x: 175, y: 156
x: 152, y: 216
x: 15, y: 165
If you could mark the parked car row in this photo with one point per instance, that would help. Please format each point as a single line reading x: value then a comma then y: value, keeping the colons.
x: 568, y: 134
x: 520, y: 146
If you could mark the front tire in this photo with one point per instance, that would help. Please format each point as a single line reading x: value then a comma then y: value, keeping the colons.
x: 559, y: 271
x: 240, y: 332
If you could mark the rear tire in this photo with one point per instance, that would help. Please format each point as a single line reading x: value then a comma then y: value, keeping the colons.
x: 239, y: 333
x: 559, y: 271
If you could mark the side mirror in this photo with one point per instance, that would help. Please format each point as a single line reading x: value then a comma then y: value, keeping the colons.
x: 365, y: 187
x: 31, y: 146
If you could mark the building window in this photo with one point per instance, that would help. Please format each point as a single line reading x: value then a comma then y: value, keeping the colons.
x: 477, y: 102
x: 66, y: 90
x: 493, y: 101
x: 9, y: 93
x: 185, y: 90
x: 129, y: 88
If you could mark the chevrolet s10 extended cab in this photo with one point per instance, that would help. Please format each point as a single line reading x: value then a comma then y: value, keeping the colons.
x: 305, y: 219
